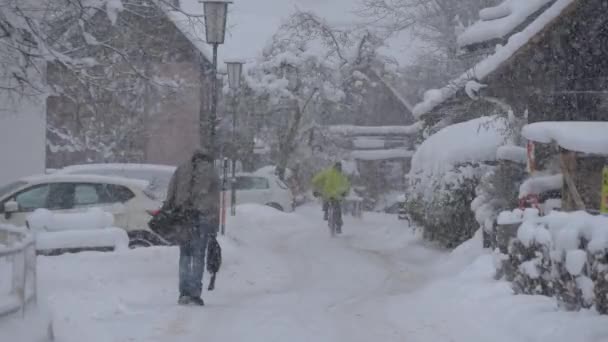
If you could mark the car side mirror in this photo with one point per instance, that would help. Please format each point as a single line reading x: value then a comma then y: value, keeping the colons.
x: 10, y: 207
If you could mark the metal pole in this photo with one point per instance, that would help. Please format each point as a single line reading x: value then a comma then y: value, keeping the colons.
x: 214, y: 96
x: 234, y: 155
x: 224, y: 190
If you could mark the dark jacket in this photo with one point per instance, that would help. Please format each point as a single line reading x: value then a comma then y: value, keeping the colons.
x: 195, y: 187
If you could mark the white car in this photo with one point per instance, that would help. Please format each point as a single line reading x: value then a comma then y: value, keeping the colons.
x: 262, y: 189
x: 127, y: 199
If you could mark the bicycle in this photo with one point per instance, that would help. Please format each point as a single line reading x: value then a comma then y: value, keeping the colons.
x: 333, y: 217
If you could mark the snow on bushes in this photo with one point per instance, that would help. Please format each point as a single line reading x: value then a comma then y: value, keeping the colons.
x: 445, y: 171
x: 564, y: 255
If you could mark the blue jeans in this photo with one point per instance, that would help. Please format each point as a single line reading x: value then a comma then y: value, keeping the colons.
x: 192, y: 262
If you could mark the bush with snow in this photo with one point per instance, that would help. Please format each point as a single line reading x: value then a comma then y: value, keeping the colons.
x: 446, y: 170
x: 561, y: 254
x: 497, y: 191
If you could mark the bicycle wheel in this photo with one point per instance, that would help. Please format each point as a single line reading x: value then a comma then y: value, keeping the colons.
x: 331, y: 220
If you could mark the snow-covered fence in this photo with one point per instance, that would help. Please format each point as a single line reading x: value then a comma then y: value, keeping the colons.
x: 563, y: 255
x: 17, y: 269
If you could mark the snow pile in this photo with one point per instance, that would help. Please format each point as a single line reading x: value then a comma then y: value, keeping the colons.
x: 435, y: 97
x: 472, y: 307
x: 539, y: 184
x: 579, y: 136
x: 116, y: 238
x: 92, y: 219
x: 500, y: 21
x: 90, y: 229
x: 516, y: 154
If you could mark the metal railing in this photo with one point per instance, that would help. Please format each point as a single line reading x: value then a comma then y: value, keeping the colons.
x: 17, y: 269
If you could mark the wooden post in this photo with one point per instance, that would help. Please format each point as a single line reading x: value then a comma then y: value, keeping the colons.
x: 567, y: 161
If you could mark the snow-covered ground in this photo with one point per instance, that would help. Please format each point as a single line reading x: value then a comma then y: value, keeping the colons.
x: 284, y: 279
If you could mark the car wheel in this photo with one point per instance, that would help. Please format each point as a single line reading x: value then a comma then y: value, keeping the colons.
x: 275, y: 206
x: 139, y: 243
x: 142, y: 238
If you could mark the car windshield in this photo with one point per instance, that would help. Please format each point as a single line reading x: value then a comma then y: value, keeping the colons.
x: 6, y: 189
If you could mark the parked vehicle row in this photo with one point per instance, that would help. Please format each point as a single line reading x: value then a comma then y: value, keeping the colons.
x: 131, y: 192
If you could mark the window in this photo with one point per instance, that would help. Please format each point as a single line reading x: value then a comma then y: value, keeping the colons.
x: 85, y: 194
x: 251, y: 183
x: 117, y: 193
x: 61, y: 196
x: 33, y: 198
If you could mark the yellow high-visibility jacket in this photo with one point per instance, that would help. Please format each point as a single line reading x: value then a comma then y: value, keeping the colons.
x: 331, y: 183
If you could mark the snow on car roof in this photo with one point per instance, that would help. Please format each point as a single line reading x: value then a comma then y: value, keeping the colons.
x: 56, y: 178
x: 117, y: 166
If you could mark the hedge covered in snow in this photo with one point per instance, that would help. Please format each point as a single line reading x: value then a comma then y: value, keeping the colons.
x: 446, y: 169
x: 562, y: 255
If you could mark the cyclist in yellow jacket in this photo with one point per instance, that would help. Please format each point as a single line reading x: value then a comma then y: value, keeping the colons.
x: 332, y: 185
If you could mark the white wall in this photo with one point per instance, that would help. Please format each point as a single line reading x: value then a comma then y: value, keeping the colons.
x: 22, y: 139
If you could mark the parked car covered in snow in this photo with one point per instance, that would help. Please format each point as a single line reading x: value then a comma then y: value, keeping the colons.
x: 129, y: 200
x: 263, y: 188
x: 260, y: 187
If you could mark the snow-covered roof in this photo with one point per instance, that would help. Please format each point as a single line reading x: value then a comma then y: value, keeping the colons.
x: 579, y: 136
x: 377, y: 130
x: 189, y: 20
x: 397, y: 153
x: 472, y: 141
x: 500, y: 21
x: 435, y: 97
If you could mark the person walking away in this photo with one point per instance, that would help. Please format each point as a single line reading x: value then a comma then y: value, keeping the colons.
x: 194, y: 194
x: 332, y: 185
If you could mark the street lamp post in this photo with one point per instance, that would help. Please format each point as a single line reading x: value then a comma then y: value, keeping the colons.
x: 235, y: 69
x: 215, y: 13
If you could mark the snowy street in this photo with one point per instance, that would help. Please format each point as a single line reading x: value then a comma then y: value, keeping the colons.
x: 284, y: 279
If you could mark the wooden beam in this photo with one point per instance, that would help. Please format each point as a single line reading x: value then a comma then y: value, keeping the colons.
x: 567, y: 160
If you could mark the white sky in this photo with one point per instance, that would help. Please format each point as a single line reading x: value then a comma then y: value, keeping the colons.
x: 251, y: 23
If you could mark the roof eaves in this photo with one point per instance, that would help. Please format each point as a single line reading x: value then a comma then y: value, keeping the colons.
x: 435, y: 97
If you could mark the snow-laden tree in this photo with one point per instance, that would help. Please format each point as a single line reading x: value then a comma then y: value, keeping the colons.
x: 310, y: 73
